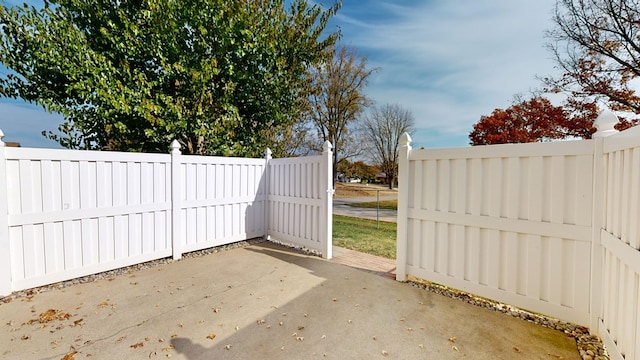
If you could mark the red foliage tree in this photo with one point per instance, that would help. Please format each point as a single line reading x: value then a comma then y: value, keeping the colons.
x: 538, y: 120
x: 530, y: 121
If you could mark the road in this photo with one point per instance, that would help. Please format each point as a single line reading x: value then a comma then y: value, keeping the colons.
x: 340, y: 207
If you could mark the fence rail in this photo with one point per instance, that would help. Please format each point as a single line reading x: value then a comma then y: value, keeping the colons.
x: 549, y: 227
x: 66, y: 213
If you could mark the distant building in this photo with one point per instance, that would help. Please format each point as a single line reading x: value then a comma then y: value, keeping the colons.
x: 12, y: 144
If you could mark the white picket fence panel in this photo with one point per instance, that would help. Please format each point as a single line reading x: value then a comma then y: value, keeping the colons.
x: 300, y: 200
x: 507, y: 222
x: 548, y: 227
x: 66, y: 214
x: 73, y: 213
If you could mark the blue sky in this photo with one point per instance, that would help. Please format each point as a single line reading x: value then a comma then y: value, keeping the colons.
x: 449, y: 62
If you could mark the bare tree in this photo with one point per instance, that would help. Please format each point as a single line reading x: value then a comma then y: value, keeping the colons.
x: 383, y: 128
x: 337, y: 99
x: 596, y: 46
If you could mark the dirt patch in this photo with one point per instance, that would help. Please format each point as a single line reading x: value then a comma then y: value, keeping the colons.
x: 361, y: 190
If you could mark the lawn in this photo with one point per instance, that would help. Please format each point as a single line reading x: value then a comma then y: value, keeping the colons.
x: 364, y: 236
x: 384, y: 204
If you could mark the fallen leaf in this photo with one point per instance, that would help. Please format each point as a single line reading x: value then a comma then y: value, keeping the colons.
x: 300, y: 327
x: 137, y: 345
x: 52, y: 314
x: 228, y: 346
x: 385, y: 353
x: 25, y: 337
x: 261, y: 321
x: 69, y: 356
x: 421, y: 346
x: 300, y: 338
x: 517, y: 349
x: 452, y: 340
x: 211, y: 336
x: 168, y: 348
x: 455, y: 348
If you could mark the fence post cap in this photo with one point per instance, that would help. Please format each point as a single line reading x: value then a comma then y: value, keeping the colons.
x: 267, y: 152
x: 175, y: 146
x: 605, y: 123
x: 1, y: 137
x: 327, y: 146
x: 405, y: 139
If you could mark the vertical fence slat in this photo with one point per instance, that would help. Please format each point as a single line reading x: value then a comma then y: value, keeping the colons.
x: 5, y: 248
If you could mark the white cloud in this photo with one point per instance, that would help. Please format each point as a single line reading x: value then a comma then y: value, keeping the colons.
x: 450, y: 62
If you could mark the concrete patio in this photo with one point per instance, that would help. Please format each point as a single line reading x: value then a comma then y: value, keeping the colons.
x: 263, y: 302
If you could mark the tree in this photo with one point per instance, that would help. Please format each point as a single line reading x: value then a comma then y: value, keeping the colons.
x: 221, y: 77
x: 358, y: 169
x: 535, y: 120
x: 336, y: 99
x: 595, y: 44
x: 383, y: 128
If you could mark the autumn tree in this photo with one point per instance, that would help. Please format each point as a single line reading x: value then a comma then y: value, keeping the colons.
x: 535, y: 120
x: 383, y: 128
x: 221, y: 77
x: 337, y: 99
x: 596, y: 46
x: 358, y: 169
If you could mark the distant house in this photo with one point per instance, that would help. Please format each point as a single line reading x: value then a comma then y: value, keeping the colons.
x: 12, y: 144
x: 381, y: 176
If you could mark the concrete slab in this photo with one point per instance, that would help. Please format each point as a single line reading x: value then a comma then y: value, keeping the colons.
x: 263, y: 302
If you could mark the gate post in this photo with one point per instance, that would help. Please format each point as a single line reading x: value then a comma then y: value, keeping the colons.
x: 403, y: 207
x: 605, y: 124
x: 176, y: 201
x: 5, y: 249
x: 326, y: 212
x: 265, y: 190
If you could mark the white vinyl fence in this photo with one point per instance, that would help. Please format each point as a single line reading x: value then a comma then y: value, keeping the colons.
x: 66, y: 213
x: 549, y: 227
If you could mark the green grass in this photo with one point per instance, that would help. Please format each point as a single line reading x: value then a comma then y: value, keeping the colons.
x: 384, y: 204
x: 362, y: 235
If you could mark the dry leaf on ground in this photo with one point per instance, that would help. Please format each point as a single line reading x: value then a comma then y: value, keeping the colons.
x: 69, y: 356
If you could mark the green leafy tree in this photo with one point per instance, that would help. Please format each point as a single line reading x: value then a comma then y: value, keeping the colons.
x: 222, y: 77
